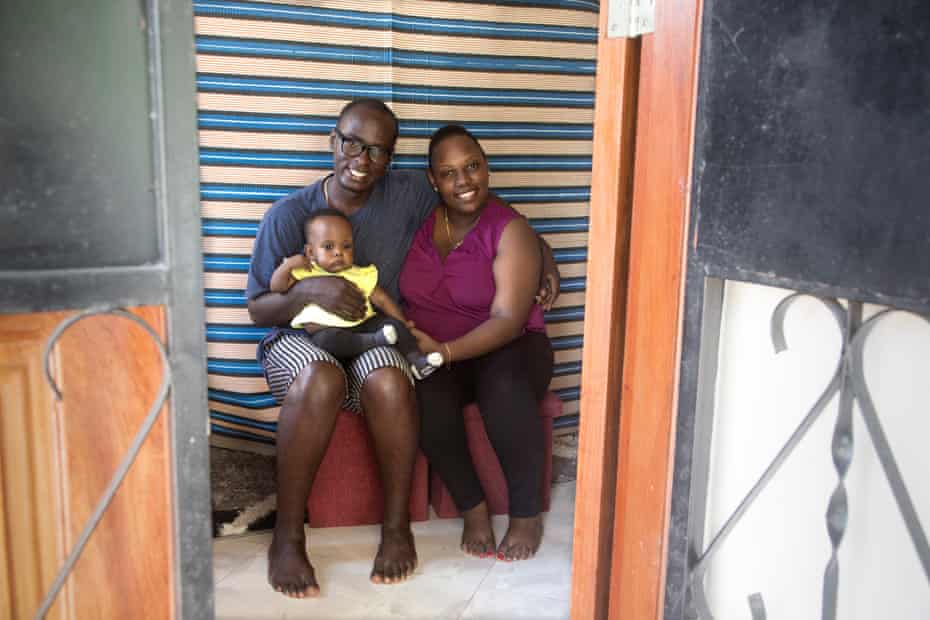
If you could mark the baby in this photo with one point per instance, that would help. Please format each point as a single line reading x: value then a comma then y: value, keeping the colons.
x: 329, y: 252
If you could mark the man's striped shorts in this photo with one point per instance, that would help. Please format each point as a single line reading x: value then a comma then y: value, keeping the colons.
x: 289, y: 353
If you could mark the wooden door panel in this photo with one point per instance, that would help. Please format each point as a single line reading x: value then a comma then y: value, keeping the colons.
x: 59, y: 456
x: 30, y: 506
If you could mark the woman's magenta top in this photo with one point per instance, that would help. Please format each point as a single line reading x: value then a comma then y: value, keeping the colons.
x: 447, y: 299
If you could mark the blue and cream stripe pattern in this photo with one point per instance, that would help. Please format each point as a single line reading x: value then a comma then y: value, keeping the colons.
x: 273, y: 75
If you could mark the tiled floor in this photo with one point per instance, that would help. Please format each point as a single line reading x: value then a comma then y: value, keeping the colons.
x: 447, y: 585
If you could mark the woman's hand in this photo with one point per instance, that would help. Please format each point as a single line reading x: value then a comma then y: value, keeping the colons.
x: 426, y: 342
x: 337, y: 295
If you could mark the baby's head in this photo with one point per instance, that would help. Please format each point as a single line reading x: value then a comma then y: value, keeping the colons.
x: 329, y: 240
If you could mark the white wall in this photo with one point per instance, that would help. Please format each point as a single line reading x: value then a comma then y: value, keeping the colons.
x: 781, y: 547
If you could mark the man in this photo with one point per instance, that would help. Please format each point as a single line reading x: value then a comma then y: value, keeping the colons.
x: 385, y: 207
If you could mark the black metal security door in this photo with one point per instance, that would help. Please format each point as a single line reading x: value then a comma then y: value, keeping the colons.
x: 99, y: 203
x: 810, y: 173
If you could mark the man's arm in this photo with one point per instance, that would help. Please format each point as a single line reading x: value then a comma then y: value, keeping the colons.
x: 336, y: 295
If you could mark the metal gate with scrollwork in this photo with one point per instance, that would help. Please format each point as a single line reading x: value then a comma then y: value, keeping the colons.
x: 99, y: 195
x: 810, y: 175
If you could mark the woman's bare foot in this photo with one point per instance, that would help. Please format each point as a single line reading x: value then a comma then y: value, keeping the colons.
x: 289, y: 570
x: 397, y: 556
x: 477, y: 535
x: 522, y: 539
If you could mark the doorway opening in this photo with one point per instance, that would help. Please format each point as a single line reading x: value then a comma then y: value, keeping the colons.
x: 272, y: 78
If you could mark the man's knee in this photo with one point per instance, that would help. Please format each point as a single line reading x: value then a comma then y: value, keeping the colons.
x: 322, y: 382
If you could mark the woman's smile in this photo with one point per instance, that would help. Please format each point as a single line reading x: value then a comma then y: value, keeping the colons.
x: 459, y: 171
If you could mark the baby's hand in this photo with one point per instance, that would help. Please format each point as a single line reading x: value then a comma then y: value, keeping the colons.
x: 294, y: 262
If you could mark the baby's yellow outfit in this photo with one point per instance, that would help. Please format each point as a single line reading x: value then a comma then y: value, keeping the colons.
x: 366, y: 278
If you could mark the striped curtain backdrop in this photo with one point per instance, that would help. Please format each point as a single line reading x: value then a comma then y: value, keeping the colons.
x: 272, y: 76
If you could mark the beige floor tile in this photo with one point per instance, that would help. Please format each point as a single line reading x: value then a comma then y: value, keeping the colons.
x: 233, y: 552
x: 447, y: 584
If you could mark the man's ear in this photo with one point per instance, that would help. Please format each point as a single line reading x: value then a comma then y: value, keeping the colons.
x: 432, y: 181
x: 332, y: 140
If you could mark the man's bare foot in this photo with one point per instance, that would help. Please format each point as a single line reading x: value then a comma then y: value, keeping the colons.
x: 397, y: 556
x: 289, y: 570
x: 477, y: 535
x: 522, y: 539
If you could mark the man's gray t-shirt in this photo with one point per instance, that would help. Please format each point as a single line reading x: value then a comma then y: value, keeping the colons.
x: 382, y: 229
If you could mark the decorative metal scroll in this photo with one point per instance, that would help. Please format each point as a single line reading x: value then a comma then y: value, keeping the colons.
x: 131, y: 454
x: 849, y: 382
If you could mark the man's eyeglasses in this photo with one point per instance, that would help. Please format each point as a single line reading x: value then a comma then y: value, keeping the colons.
x: 353, y: 148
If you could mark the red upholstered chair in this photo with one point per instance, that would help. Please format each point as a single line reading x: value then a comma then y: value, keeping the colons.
x: 347, y: 489
x: 488, y: 467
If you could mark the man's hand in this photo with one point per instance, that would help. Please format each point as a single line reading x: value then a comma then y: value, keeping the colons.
x: 548, y: 290
x: 549, y: 278
x: 335, y: 294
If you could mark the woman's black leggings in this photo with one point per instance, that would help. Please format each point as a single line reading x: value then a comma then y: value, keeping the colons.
x: 507, y: 384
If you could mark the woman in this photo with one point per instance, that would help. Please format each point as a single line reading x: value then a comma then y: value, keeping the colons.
x: 469, y: 282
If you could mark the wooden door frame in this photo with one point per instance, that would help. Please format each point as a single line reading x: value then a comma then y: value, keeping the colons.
x: 640, y: 195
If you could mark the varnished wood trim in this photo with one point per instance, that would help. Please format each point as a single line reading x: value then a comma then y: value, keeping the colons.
x: 657, y: 252
x: 30, y: 508
x: 608, y: 247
